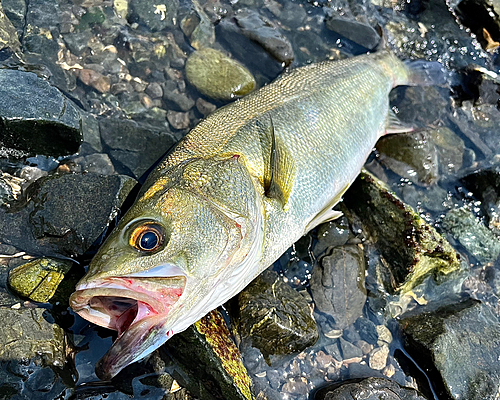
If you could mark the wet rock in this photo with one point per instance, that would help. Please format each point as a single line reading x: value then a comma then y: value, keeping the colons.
x: 266, y: 34
x: 154, y: 90
x: 95, y: 80
x: 359, y: 33
x: 133, y: 148
x: 38, y: 280
x: 411, y: 156
x: 77, y: 42
x: 173, y: 97
x: 485, y: 185
x: 198, y: 27
x: 32, y: 354
x: 211, y: 361
x: 413, y: 248
x: 377, y: 359
x: 478, y: 240
x: 261, y: 64
x: 8, y: 34
x: 205, y: 107
x: 178, y: 120
x: 274, y: 317
x: 332, y: 234
x: 15, y: 10
x: 350, y: 353
x: 155, y: 16
x: 367, y: 330
x: 35, y: 117
x: 218, y: 76
x: 337, y: 285
x: 65, y: 214
x: 367, y: 389
x: 97, y: 163
x: 459, y: 344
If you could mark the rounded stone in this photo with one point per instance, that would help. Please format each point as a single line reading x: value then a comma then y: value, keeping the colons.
x: 217, y: 76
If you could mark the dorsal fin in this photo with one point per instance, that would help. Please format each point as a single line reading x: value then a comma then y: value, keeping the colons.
x: 279, y: 183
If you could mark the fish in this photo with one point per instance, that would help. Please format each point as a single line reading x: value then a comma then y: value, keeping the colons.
x: 239, y: 189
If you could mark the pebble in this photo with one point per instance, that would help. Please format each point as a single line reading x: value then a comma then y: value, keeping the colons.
x: 154, y: 90
x: 178, y: 120
x: 95, y: 80
x: 384, y: 335
x: 218, y: 76
x: 389, y: 370
x: 205, y: 107
x: 378, y: 357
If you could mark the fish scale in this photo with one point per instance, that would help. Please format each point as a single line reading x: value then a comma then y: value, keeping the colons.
x: 236, y: 192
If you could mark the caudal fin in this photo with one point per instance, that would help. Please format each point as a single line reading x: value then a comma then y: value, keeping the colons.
x: 426, y: 73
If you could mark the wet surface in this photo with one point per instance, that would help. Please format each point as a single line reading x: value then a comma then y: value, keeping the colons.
x: 122, y: 92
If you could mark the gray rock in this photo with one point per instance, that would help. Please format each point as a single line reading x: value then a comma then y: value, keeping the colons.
x: 62, y: 215
x: 266, y: 34
x: 350, y: 353
x: 15, y: 10
x: 32, y: 354
x: 132, y: 147
x: 36, y: 117
x: 367, y: 389
x: 411, y: 156
x: 459, y: 344
x: 274, y: 317
x: 77, y: 42
x: 8, y: 34
x: 485, y: 185
x: 332, y: 234
x: 156, y: 16
x: 337, y: 285
x: 173, y: 97
x: 476, y: 238
x: 359, y: 33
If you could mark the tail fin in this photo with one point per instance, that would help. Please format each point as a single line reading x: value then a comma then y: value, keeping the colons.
x: 426, y: 73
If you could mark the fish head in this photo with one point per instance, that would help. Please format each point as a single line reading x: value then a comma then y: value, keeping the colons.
x: 169, y: 261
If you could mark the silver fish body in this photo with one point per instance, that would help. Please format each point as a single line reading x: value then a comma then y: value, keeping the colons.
x: 235, y: 193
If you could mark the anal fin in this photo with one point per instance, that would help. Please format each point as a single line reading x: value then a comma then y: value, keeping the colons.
x: 394, y: 125
x: 327, y: 213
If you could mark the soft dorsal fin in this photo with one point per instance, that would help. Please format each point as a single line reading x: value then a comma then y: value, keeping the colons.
x: 279, y: 183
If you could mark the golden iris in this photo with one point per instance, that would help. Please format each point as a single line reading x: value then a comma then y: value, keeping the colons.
x: 148, y: 237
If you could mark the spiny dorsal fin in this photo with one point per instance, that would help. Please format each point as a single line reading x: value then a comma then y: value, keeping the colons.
x: 282, y: 171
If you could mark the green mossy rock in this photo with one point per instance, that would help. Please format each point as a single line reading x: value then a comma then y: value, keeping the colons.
x: 218, y: 76
x: 38, y: 279
x: 412, y: 248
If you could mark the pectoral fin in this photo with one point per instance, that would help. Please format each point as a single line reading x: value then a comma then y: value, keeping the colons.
x: 327, y: 214
x: 282, y: 170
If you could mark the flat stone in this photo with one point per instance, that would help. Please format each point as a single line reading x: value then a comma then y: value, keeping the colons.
x: 38, y: 279
x: 459, y: 345
x: 32, y: 354
x: 350, y: 353
x: 36, y: 117
x: 134, y: 148
x: 155, y: 16
x: 377, y: 359
x: 337, y: 285
x: 355, y: 31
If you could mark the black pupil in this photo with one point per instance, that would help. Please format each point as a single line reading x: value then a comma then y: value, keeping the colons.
x: 149, y: 240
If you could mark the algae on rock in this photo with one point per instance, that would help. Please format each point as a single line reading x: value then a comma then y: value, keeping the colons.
x: 413, y: 249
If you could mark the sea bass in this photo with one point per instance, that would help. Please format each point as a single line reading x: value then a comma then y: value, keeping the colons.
x: 235, y: 193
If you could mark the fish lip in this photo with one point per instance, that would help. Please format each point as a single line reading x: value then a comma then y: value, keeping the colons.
x: 115, y: 289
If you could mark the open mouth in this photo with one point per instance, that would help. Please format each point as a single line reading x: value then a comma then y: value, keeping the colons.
x: 118, y: 303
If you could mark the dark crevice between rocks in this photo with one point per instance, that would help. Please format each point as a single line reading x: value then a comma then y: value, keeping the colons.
x: 478, y: 16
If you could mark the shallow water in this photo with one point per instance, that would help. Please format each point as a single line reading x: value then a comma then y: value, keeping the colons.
x: 91, y: 35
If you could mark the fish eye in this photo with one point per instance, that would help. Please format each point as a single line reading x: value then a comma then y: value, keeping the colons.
x: 148, y: 237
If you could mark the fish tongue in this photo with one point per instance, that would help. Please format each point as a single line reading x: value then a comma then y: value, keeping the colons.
x: 138, y: 340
